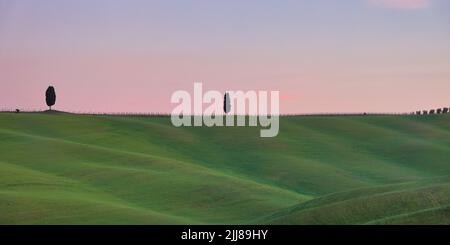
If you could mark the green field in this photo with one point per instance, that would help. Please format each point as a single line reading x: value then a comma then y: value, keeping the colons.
x: 58, y: 168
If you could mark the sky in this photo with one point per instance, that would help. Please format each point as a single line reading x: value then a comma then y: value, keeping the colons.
x: 130, y: 55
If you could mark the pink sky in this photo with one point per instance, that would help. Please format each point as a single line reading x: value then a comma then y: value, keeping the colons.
x: 401, y: 4
x: 323, y: 56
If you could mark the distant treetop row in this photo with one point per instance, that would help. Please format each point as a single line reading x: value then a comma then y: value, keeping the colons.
x: 433, y: 111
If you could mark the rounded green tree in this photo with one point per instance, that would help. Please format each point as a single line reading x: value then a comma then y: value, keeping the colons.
x: 50, y: 96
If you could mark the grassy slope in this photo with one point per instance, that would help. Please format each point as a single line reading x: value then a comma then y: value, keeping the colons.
x: 64, y: 169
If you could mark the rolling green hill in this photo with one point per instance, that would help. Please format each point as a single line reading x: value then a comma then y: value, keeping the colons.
x: 59, y: 168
